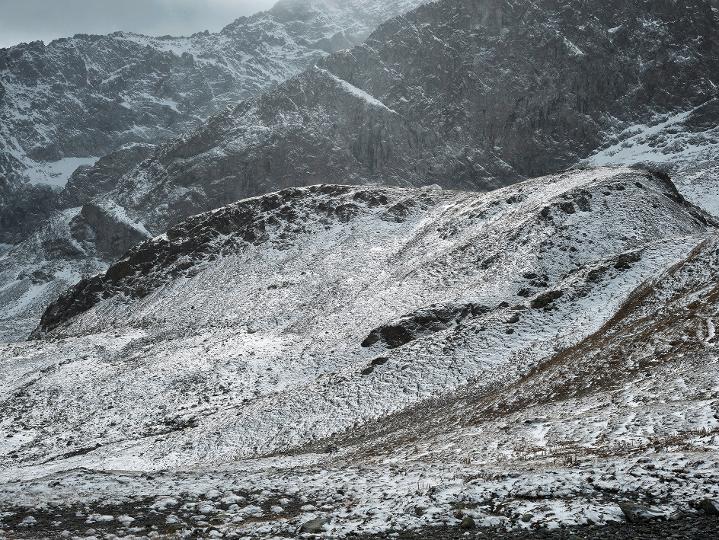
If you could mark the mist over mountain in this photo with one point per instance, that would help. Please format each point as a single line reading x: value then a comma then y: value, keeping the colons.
x: 350, y: 268
x: 34, y: 20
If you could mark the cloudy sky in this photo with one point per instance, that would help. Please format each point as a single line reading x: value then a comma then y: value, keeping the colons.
x: 28, y: 20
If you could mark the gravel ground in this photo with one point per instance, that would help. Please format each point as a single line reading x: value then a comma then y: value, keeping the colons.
x: 694, y: 527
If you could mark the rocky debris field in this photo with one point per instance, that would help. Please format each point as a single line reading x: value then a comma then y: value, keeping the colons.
x: 78, y: 523
x: 685, y: 528
x: 673, y: 494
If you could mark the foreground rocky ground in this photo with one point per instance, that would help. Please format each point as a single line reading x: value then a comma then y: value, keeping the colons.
x: 667, y: 496
x: 77, y: 524
x: 694, y: 527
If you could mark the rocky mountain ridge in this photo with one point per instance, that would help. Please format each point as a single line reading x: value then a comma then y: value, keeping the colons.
x: 117, y: 96
x: 467, y: 95
x: 75, y: 100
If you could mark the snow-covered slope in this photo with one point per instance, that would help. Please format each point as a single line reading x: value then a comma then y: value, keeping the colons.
x: 299, y: 321
x: 73, y: 244
x: 445, y: 95
x: 79, y: 239
x: 684, y: 143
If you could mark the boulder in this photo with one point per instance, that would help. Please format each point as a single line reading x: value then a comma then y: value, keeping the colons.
x: 709, y: 507
x: 314, y: 526
x: 635, y: 513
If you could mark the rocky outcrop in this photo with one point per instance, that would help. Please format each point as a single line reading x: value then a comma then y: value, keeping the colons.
x: 107, y: 229
x: 421, y: 323
x: 89, y: 182
x: 22, y: 208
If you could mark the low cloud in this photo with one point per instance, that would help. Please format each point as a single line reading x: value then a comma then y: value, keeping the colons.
x: 29, y: 20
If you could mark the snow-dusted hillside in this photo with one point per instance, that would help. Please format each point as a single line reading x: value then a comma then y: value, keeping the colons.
x: 465, y: 95
x: 71, y: 245
x: 684, y: 143
x: 305, y: 352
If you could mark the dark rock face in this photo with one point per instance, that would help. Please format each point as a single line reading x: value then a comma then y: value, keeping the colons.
x: 710, y: 507
x: 86, y: 183
x: 466, y: 94
x: 420, y: 323
x: 22, y: 207
x: 109, y: 233
x: 545, y: 300
x: 366, y: 142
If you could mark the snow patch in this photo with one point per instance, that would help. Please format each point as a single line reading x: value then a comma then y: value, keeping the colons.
x: 56, y: 173
x: 357, y: 92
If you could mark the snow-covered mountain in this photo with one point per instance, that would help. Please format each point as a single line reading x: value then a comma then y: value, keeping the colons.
x: 365, y: 355
x: 465, y: 94
x: 100, y: 103
x: 683, y: 143
x: 75, y: 100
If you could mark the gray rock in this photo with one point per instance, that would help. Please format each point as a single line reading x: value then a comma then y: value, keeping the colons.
x: 105, y: 227
x: 467, y: 523
x: 420, y: 323
x: 93, y: 94
x: 636, y: 512
x: 315, y: 526
x: 402, y: 109
x: 89, y: 182
x: 22, y: 208
x: 709, y: 507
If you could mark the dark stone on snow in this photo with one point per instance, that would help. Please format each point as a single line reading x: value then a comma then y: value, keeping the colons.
x: 709, y: 507
x: 544, y: 300
x: 625, y: 261
x: 567, y: 208
x: 420, y: 323
x: 636, y: 513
